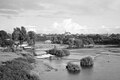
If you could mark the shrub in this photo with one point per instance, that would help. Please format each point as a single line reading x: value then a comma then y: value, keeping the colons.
x: 26, y: 59
x: 86, y: 62
x: 10, y: 74
x: 73, y: 68
x: 66, y: 52
x: 18, y: 65
x: 17, y: 69
x: 58, y: 52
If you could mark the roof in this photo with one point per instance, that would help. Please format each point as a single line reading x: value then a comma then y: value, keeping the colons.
x: 48, y: 41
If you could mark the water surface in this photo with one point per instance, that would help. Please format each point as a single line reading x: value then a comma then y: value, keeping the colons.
x: 106, y: 67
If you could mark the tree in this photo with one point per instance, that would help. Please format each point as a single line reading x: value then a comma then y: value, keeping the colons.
x: 31, y: 38
x: 78, y: 43
x: 71, y: 43
x: 3, y: 38
x: 16, y: 34
x: 19, y: 34
x: 9, y: 44
x: 10, y: 36
x: 24, y: 33
x: 6, y: 41
x: 3, y: 35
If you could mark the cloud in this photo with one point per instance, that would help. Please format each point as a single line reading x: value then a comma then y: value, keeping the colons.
x: 92, y: 13
x: 68, y: 25
x: 86, y: 7
x: 13, y: 7
x: 31, y: 28
x: 8, y: 11
x: 61, y: 8
x: 19, y: 4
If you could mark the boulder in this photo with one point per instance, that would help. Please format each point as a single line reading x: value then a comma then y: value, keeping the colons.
x: 73, y: 68
x: 86, y: 62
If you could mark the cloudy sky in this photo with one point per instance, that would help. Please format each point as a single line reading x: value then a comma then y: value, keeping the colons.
x: 58, y: 16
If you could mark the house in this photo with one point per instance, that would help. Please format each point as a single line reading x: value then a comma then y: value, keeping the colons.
x: 48, y: 42
x: 67, y: 33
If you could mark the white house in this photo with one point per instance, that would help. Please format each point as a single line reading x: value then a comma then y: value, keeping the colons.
x: 48, y: 42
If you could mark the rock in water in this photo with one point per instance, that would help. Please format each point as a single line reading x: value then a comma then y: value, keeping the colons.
x: 86, y: 62
x: 73, y: 68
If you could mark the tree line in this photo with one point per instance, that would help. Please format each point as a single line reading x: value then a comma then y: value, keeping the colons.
x: 81, y: 40
x: 19, y: 35
x: 73, y: 40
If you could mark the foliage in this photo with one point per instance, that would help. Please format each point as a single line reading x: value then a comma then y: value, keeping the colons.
x: 78, y: 43
x: 26, y: 59
x: 6, y: 43
x: 24, y: 33
x: 3, y: 35
x: 58, y: 52
x: 73, y: 41
x: 66, y: 52
x: 73, y: 68
x: 31, y: 38
x: 42, y: 37
x: 5, y: 40
x: 19, y: 34
x: 18, y: 65
x: 86, y: 62
x: 9, y: 43
x: 113, y: 39
x: 16, y: 34
x: 17, y: 69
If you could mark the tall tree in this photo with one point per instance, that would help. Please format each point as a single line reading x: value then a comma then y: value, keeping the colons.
x: 78, y: 43
x: 19, y: 34
x: 3, y: 35
x: 5, y: 39
x: 24, y: 33
x: 31, y: 38
x: 16, y: 34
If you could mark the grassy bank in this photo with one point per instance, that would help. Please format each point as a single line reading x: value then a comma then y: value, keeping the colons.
x: 17, y: 69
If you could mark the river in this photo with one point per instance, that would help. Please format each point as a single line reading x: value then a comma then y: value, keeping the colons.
x: 106, y: 66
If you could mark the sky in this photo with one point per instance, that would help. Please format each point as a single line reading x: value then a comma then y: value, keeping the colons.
x: 58, y: 16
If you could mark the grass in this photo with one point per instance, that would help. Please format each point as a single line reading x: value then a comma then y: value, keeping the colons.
x: 26, y: 59
x: 17, y: 69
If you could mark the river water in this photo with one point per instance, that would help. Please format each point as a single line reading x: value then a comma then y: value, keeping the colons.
x: 106, y: 67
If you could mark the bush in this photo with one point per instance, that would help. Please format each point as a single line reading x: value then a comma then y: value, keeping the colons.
x: 86, y: 62
x: 18, y: 65
x: 10, y: 74
x: 26, y: 59
x: 17, y: 69
x: 58, y: 52
x: 66, y: 52
x: 73, y: 68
